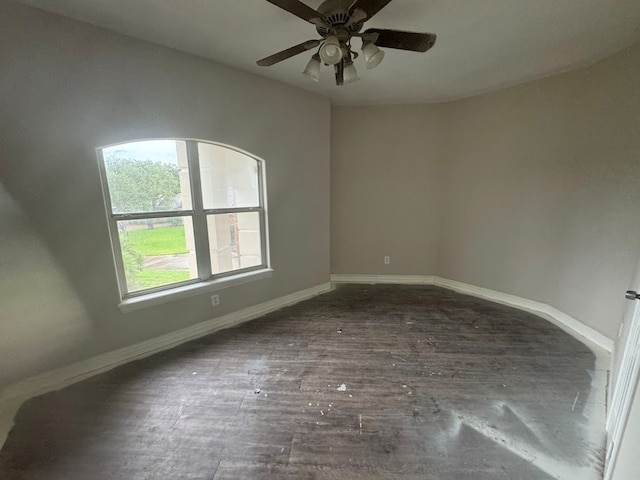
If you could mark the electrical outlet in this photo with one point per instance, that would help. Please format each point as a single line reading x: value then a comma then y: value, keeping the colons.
x: 215, y: 300
x: 387, y: 260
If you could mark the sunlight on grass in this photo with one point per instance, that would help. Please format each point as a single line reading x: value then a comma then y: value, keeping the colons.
x: 154, y: 278
x: 158, y: 241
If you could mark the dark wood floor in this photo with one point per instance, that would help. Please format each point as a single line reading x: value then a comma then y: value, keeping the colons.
x: 366, y: 382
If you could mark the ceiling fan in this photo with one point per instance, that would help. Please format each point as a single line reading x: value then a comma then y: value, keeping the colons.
x: 337, y: 22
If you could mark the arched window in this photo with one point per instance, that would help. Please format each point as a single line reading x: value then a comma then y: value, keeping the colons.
x: 182, y: 212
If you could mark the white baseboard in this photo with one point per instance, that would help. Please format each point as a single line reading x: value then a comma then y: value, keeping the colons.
x: 395, y: 279
x: 12, y: 396
x: 569, y: 324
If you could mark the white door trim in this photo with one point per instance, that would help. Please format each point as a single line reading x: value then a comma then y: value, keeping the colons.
x: 624, y: 388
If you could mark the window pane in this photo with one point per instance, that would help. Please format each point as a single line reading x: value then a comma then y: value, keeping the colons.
x: 234, y: 240
x: 157, y: 252
x: 148, y: 176
x: 229, y: 178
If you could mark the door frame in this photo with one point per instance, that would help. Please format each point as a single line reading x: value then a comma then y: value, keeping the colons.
x: 625, y: 382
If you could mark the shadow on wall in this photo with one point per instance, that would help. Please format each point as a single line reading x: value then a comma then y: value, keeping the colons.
x: 40, y: 313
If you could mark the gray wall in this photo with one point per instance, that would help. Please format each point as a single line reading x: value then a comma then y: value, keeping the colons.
x: 531, y: 191
x: 542, y: 192
x: 67, y: 88
x: 386, y: 189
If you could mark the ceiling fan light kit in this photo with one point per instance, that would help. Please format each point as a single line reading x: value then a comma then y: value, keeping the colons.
x: 313, y: 68
x: 350, y: 74
x: 337, y: 22
x: 372, y: 55
x: 330, y: 51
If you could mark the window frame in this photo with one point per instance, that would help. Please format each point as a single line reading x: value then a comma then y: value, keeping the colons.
x: 198, y: 214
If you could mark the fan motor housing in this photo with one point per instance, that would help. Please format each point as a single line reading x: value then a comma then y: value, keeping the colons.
x: 337, y: 13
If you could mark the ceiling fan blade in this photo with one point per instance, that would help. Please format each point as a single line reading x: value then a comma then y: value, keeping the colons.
x: 371, y: 7
x: 301, y: 10
x: 415, y: 42
x: 288, y: 53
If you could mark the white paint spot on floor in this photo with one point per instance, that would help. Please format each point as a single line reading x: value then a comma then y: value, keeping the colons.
x: 554, y: 467
x: 540, y: 447
x: 342, y: 388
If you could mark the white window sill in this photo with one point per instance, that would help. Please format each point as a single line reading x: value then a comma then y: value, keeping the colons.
x: 158, y: 298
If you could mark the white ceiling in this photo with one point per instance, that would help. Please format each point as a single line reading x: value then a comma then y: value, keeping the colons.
x: 482, y: 45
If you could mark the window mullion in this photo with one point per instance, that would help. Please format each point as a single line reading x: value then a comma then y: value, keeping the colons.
x: 221, y: 211
x: 201, y: 236
x: 263, y: 222
x: 152, y: 215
